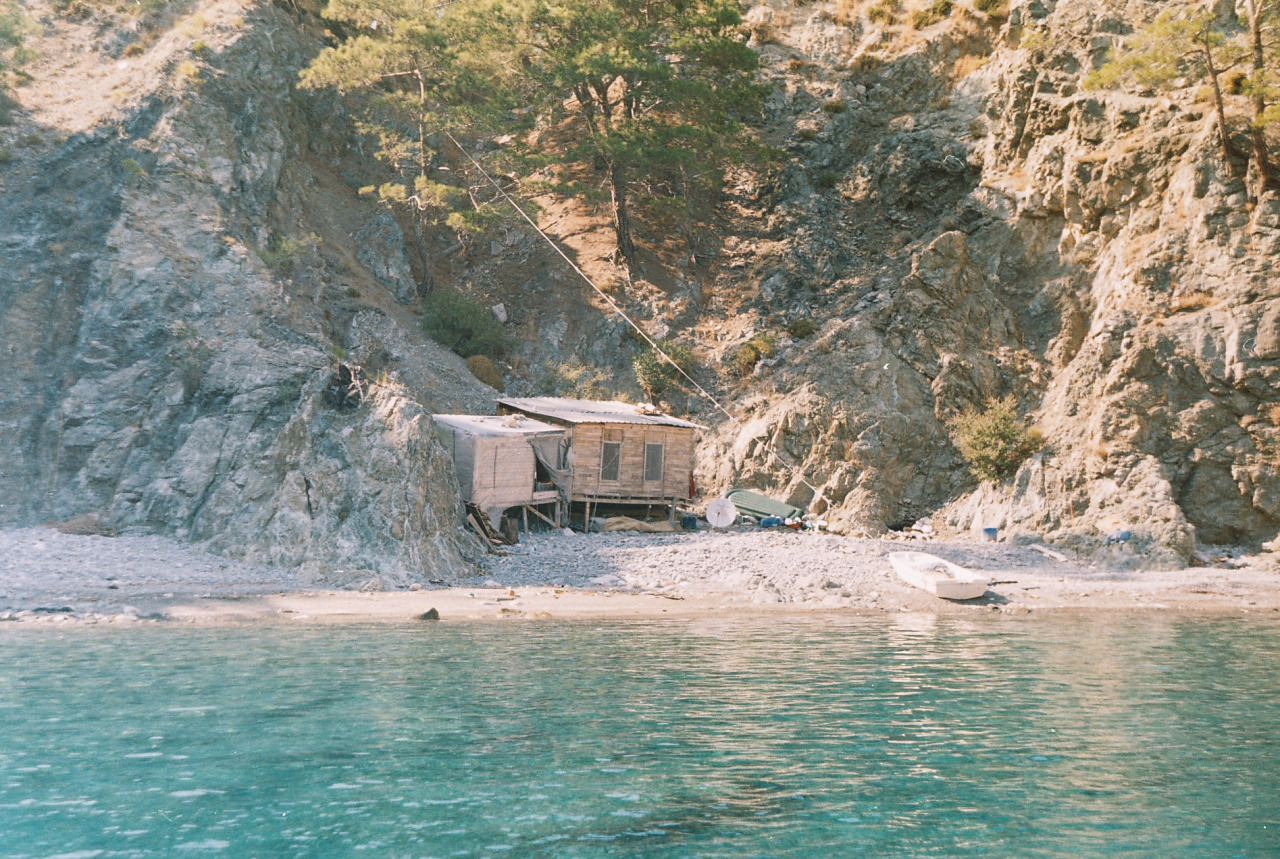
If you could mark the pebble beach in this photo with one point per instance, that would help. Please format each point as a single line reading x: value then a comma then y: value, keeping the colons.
x: 50, y: 577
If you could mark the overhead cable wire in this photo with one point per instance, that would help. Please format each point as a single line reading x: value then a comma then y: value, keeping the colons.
x: 617, y: 309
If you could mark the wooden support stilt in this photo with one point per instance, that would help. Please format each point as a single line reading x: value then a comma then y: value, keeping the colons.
x: 536, y: 512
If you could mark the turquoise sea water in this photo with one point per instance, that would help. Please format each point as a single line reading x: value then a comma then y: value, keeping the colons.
x: 1124, y: 736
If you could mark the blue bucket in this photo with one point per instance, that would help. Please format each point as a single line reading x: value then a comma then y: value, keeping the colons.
x: 989, y: 535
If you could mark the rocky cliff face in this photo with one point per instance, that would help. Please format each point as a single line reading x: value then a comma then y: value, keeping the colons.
x: 179, y: 281
x: 185, y: 261
x: 992, y: 229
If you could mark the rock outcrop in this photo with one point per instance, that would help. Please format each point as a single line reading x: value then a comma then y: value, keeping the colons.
x: 1007, y: 232
x: 179, y: 291
x: 186, y: 266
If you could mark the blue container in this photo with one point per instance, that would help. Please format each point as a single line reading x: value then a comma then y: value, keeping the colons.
x: 989, y: 535
x: 689, y: 522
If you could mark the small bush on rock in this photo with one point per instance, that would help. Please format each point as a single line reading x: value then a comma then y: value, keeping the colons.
x: 483, y: 368
x: 802, y: 327
x: 455, y: 321
x: 654, y: 373
x: 746, y: 356
x: 285, y: 255
x: 885, y: 11
x: 994, y: 440
x: 932, y: 14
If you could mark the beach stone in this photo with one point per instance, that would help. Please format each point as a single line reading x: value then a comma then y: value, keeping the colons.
x: 429, y: 614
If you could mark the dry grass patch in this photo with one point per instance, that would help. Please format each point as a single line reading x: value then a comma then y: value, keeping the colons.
x: 967, y: 65
x: 1191, y: 302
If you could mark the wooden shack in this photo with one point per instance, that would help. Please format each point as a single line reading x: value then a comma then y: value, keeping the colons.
x: 504, y: 461
x: 618, y: 453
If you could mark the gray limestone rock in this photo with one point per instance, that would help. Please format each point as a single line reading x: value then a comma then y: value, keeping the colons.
x: 380, y: 246
x: 167, y: 378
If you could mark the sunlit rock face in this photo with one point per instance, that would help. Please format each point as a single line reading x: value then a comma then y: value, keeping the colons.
x: 989, y: 227
x: 173, y: 307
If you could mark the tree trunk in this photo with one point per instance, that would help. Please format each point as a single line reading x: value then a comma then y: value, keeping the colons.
x: 1258, y: 134
x: 426, y: 285
x: 621, y: 215
x: 1220, y: 107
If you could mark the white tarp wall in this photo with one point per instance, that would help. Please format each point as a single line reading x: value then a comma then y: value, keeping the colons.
x: 494, y: 456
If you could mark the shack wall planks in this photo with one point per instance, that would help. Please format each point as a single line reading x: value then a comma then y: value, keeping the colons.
x: 587, y: 455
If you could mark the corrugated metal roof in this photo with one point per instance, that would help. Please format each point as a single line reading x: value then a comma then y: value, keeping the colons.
x: 592, y: 411
x: 496, y: 425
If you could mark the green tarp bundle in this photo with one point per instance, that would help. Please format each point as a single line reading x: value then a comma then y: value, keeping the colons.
x: 757, y: 505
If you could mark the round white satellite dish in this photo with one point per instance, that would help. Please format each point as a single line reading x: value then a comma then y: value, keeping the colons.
x: 721, y: 513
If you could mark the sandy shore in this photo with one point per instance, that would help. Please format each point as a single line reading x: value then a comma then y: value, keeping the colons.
x: 53, y: 578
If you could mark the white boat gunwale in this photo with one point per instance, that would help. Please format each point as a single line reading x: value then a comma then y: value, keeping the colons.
x: 938, y: 576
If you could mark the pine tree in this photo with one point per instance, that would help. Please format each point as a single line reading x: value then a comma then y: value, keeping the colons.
x: 417, y: 71
x: 1174, y: 47
x: 1262, y: 17
x: 644, y: 90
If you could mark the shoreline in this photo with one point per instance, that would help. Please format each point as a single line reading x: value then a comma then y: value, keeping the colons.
x: 50, y: 578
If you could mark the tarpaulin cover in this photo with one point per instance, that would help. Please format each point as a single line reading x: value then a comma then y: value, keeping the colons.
x: 626, y: 523
x: 759, y: 506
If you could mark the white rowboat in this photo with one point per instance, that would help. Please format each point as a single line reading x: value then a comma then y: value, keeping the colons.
x: 938, y: 577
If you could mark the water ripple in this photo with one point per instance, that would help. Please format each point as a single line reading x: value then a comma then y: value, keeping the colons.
x: 1151, y: 738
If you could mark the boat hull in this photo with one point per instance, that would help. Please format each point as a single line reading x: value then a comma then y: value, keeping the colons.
x: 936, y: 576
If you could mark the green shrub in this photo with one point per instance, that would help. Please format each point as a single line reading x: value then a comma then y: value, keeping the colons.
x: 834, y: 106
x: 765, y: 344
x: 994, y: 440
x: 802, y: 327
x: 746, y: 356
x: 932, y: 14
x: 744, y: 359
x: 1035, y: 41
x: 885, y: 11
x: 483, y: 368
x: 285, y: 255
x: 991, y: 7
x: 654, y: 373
x: 456, y: 321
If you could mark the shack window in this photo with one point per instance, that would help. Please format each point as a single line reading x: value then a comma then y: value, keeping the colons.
x: 652, y: 462
x: 610, y: 460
